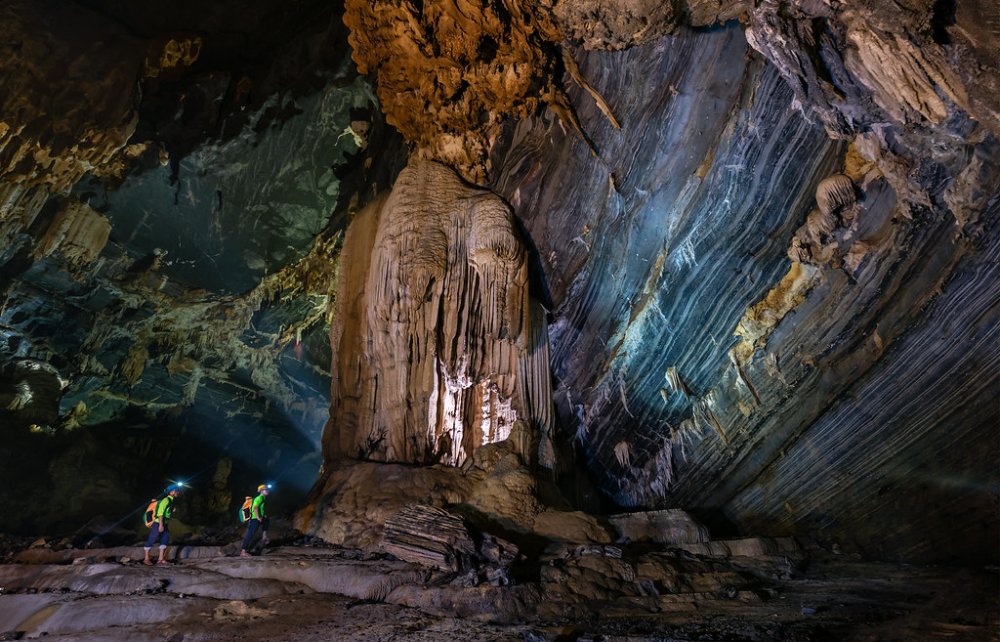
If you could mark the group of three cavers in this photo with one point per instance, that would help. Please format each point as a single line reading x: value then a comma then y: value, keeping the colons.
x: 159, y: 512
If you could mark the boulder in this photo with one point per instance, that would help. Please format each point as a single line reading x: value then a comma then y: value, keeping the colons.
x: 670, y: 526
x: 429, y: 536
x: 571, y: 526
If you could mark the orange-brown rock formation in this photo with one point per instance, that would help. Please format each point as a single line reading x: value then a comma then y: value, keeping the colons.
x: 450, y: 72
x: 52, y: 134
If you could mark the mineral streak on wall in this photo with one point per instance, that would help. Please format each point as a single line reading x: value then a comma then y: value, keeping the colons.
x: 816, y: 417
x: 686, y: 225
x: 438, y: 349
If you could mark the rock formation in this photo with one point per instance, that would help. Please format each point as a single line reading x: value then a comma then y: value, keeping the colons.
x: 727, y: 256
x: 439, y: 347
x: 52, y: 137
x: 748, y: 588
x: 164, y: 182
x: 449, y: 73
x: 583, y: 319
x: 652, y: 276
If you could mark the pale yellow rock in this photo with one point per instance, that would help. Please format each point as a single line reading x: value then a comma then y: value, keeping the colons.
x: 508, y: 494
x: 574, y: 527
x: 760, y: 320
x: 78, y: 232
x: 903, y: 78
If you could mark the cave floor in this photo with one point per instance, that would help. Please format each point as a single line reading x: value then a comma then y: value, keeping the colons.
x: 307, y: 594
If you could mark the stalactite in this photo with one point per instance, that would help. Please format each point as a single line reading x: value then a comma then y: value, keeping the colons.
x: 623, y: 454
x: 675, y: 383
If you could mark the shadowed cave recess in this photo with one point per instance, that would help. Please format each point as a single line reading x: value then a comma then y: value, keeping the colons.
x: 532, y: 312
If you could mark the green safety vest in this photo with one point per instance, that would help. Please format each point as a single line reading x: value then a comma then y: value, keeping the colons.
x: 165, y: 508
x: 257, y: 508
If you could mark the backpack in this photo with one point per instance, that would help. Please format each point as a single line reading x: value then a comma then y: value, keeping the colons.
x: 150, y: 514
x: 246, y: 510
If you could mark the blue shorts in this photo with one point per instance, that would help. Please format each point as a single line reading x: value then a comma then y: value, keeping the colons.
x: 155, y: 534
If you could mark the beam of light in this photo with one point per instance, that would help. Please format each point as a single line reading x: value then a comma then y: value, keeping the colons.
x: 173, y: 484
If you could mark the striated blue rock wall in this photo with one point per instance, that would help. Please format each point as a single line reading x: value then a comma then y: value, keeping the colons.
x: 868, y: 416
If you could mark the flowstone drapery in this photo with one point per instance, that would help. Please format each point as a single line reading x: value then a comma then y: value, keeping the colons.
x: 443, y: 350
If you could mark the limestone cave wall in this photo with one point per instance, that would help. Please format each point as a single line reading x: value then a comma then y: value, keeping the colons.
x: 169, y: 232
x: 734, y: 256
x: 780, y: 393
x: 767, y: 250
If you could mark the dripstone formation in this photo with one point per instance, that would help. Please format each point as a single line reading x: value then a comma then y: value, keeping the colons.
x: 439, y: 347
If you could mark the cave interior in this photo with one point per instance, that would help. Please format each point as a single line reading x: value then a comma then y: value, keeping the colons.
x: 555, y: 320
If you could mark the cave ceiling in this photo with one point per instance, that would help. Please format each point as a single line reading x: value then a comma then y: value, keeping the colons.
x: 759, y: 237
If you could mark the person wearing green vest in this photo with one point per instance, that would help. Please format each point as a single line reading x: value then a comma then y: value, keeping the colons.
x: 159, y: 531
x: 258, y: 519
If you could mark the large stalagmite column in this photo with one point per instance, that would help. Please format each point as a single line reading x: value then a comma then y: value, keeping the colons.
x: 438, y: 347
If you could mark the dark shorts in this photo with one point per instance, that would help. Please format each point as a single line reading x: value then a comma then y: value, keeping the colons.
x: 155, y: 534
